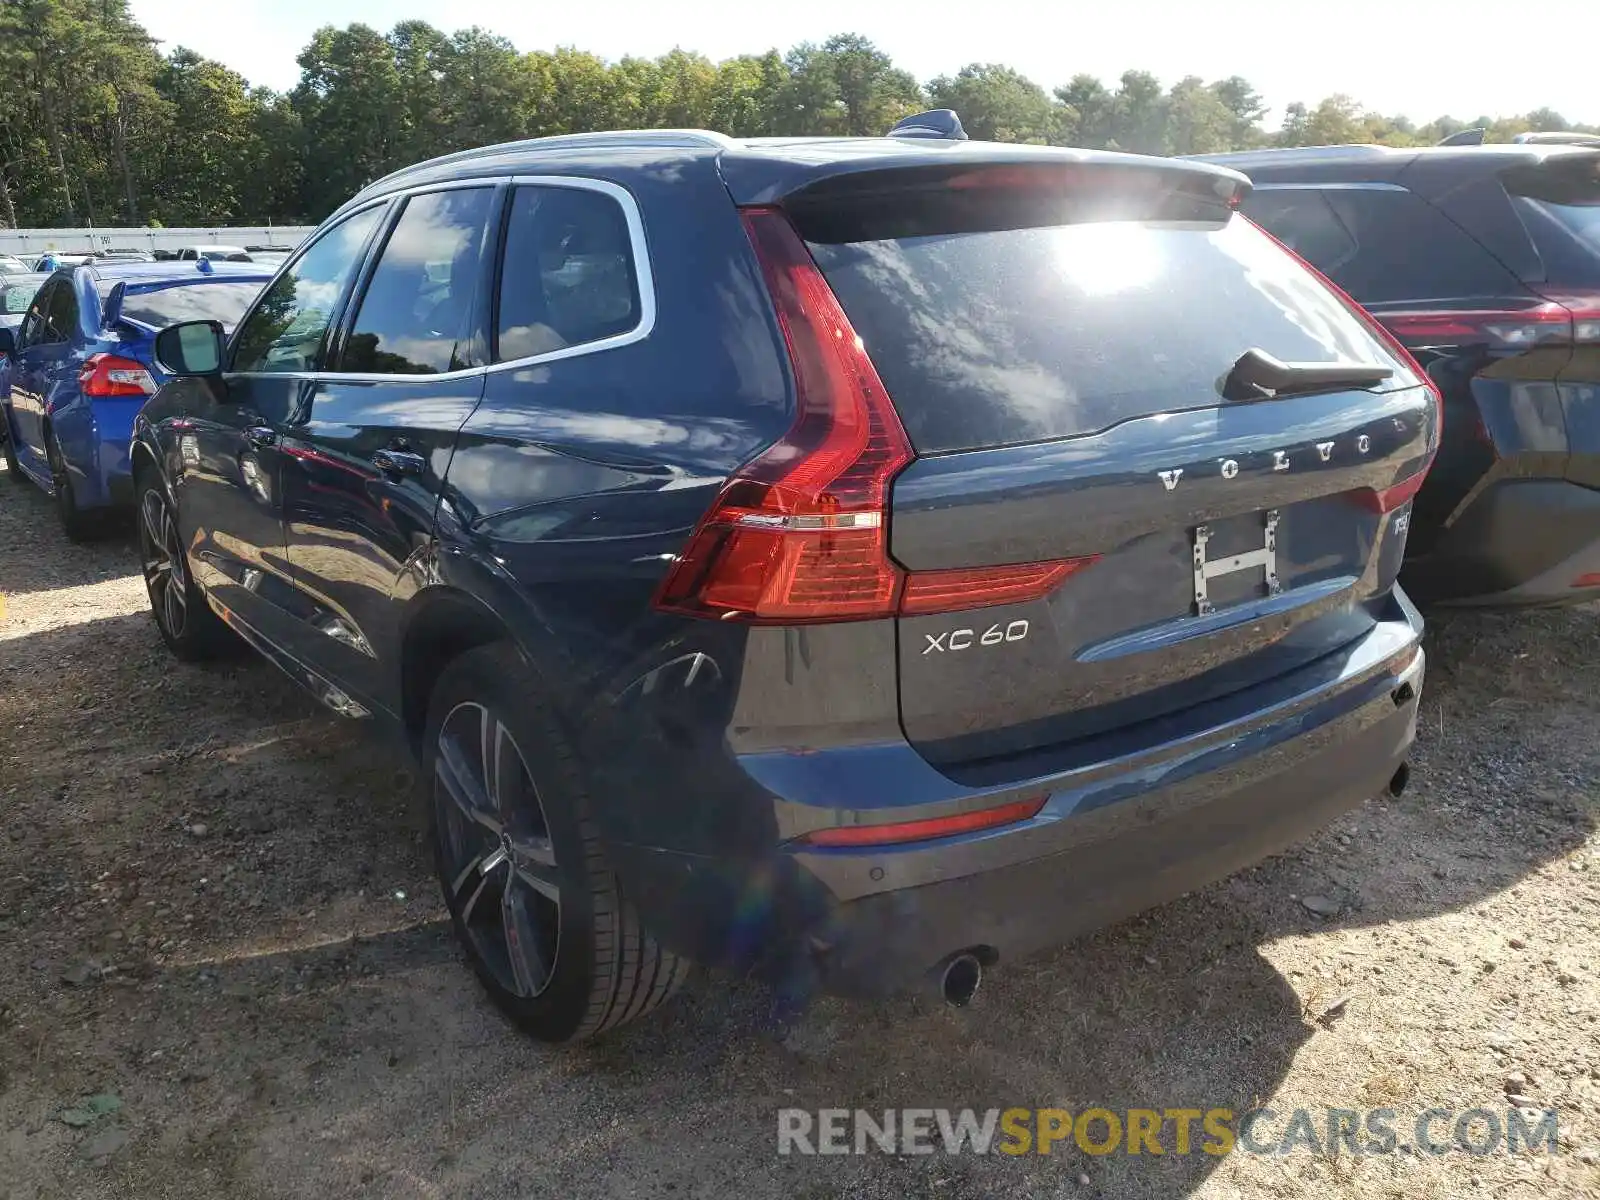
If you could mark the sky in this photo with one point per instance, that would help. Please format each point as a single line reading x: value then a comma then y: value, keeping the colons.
x: 1420, y: 58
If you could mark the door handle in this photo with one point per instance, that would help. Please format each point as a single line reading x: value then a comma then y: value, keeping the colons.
x: 261, y: 436
x: 399, y: 462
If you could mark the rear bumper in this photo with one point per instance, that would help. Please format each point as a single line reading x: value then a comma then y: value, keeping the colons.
x: 1521, y: 542
x: 1111, y: 840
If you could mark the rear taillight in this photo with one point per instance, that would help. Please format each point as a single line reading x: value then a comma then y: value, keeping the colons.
x: 1557, y: 319
x: 105, y: 375
x: 1390, y: 498
x: 1502, y: 329
x: 932, y: 827
x: 800, y: 533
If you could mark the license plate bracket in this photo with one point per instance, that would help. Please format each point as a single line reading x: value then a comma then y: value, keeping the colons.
x: 1264, y: 559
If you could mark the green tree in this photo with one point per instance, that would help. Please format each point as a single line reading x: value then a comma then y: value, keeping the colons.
x: 1139, y: 120
x: 1336, y: 121
x: 747, y: 95
x: 873, y: 92
x: 996, y: 103
x: 1089, y: 119
x: 1198, y: 122
x: 1245, y: 110
x: 352, y: 109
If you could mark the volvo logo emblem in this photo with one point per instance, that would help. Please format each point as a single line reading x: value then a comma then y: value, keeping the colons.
x: 1282, y: 460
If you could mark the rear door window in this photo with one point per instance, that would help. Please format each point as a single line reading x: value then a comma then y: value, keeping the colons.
x: 15, y: 299
x: 419, y: 313
x: 568, y: 278
x: 1013, y: 335
x: 1559, y: 203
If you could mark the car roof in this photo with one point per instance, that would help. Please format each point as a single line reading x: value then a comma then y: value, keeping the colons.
x: 9, y: 278
x: 1491, y: 157
x: 135, y: 273
x: 781, y: 162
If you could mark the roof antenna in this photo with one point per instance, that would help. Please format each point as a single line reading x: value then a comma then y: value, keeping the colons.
x: 1467, y: 137
x: 940, y: 124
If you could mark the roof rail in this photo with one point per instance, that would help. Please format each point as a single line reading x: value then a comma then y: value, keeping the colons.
x: 937, y: 123
x: 1557, y: 138
x: 1282, y: 154
x: 667, y: 138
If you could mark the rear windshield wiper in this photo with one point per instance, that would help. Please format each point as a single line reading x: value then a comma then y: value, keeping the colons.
x: 1258, y: 376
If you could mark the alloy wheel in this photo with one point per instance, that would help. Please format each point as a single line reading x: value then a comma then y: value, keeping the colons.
x: 495, y: 843
x: 162, y: 555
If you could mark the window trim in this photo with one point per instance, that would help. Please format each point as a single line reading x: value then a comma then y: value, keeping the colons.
x: 1371, y: 186
x: 642, y: 273
x: 637, y: 245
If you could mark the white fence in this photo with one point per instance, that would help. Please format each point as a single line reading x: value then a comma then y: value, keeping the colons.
x: 29, y: 243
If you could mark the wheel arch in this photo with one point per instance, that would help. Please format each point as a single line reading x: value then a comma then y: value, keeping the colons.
x: 142, y: 458
x: 441, y: 624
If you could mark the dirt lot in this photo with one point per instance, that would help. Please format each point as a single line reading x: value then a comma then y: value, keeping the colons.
x: 215, y: 907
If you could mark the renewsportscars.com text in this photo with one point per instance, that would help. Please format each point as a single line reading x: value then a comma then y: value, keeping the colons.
x: 1180, y: 1131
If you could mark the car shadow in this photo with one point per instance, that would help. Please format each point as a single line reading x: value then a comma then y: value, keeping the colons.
x: 38, y: 557
x: 238, y: 882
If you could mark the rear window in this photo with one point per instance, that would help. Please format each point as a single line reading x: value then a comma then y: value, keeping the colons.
x: 15, y: 300
x: 223, y: 301
x: 1559, y: 203
x: 994, y: 338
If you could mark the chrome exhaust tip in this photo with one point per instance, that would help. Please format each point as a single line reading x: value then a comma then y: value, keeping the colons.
x: 958, y: 979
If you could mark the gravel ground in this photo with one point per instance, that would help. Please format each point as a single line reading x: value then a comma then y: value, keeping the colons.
x: 215, y: 908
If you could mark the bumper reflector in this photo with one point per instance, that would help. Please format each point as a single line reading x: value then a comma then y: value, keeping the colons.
x: 932, y: 827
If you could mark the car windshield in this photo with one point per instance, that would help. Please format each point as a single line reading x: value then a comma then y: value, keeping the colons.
x: 223, y: 301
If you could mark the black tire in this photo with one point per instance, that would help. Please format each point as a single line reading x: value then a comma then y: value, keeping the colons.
x: 80, y: 525
x: 187, y: 625
x: 539, y: 912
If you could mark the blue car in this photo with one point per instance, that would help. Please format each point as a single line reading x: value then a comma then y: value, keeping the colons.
x: 81, y: 367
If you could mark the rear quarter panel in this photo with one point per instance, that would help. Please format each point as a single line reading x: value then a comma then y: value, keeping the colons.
x: 576, y: 481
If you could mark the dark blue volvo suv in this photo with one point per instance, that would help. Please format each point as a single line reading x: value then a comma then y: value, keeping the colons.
x: 842, y: 560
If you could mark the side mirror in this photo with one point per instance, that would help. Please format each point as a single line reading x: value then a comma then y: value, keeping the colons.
x: 192, y: 348
x: 8, y: 341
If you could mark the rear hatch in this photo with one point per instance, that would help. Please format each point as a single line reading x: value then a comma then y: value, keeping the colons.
x: 1119, y: 549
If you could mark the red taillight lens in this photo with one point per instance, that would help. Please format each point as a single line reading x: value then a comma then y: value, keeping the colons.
x: 800, y: 533
x: 981, y: 587
x: 921, y: 831
x: 105, y: 375
x: 1506, y: 329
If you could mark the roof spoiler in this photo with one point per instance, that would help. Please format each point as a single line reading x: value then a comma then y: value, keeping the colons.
x: 1467, y: 137
x: 937, y: 123
x: 111, y: 311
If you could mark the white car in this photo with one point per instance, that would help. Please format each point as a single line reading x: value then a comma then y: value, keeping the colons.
x: 215, y: 253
